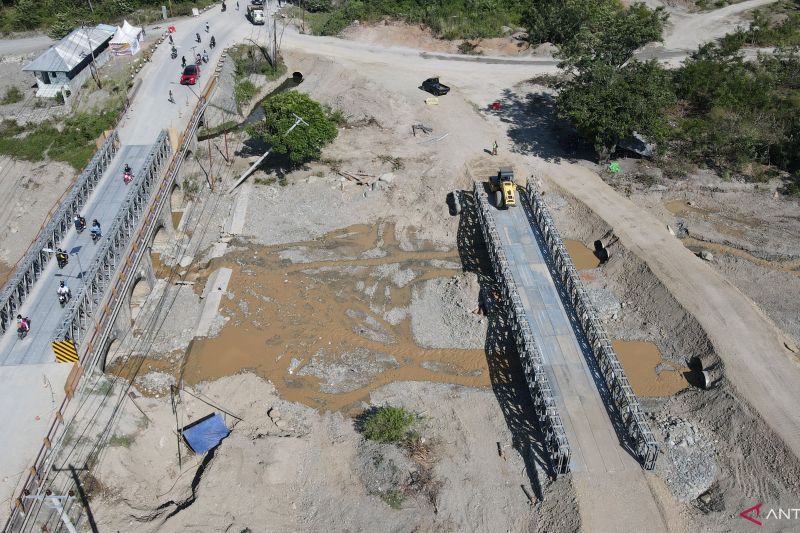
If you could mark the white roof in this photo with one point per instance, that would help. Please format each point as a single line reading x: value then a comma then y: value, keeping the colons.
x: 126, y: 33
x: 70, y: 51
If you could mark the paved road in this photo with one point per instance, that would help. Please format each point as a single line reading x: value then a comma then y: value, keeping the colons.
x: 600, y: 465
x: 42, y: 303
x: 25, y: 45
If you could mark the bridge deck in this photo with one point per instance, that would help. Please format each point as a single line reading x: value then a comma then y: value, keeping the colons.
x: 42, y: 304
x: 594, y: 443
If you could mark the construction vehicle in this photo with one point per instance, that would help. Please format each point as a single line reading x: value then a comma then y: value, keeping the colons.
x: 504, y: 188
x: 255, y: 14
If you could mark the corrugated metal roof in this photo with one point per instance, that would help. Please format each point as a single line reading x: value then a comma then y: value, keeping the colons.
x: 71, y: 50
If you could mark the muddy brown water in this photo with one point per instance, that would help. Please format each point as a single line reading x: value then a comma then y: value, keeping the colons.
x: 285, y: 314
x: 582, y: 257
x: 648, y: 373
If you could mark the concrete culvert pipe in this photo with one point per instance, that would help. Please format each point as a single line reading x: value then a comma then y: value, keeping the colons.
x: 297, y: 76
x: 706, y: 370
x: 456, y: 202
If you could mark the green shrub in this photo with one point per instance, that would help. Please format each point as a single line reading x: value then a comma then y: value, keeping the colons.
x: 388, y: 424
x: 304, y: 143
x: 13, y: 95
x: 245, y: 90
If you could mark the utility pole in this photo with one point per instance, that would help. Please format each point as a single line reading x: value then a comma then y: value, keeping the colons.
x: 225, y: 136
x: 274, y: 45
x: 91, y: 51
x: 82, y: 495
x: 299, y: 120
x: 91, y: 7
x: 210, y: 178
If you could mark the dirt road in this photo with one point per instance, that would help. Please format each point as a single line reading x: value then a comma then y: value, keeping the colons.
x: 688, y: 31
x: 756, y: 360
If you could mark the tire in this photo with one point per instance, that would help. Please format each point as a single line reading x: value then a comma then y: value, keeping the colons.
x: 498, y: 199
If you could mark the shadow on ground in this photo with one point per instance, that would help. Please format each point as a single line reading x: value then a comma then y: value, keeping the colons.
x: 505, y: 368
x: 534, y: 128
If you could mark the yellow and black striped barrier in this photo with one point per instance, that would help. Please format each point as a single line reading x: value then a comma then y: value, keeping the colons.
x: 66, y: 351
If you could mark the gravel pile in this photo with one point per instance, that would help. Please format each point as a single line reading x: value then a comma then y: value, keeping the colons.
x: 443, y: 313
x: 689, y: 467
x: 155, y: 383
x: 605, y: 302
x: 348, y: 372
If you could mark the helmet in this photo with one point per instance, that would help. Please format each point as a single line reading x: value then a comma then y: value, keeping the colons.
x: 95, y: 222
x: 61, y: 283
x: 19, y: 317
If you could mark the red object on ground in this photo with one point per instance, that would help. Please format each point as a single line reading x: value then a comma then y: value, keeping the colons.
x: 171, y: 29
x: 495, y: 106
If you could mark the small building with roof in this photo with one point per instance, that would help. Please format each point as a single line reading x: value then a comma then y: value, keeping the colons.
x: 67, y: 64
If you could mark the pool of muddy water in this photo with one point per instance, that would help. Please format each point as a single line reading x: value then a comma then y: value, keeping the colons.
x: 648, y: 373
x: 326, y: 321
x: 582, y: 257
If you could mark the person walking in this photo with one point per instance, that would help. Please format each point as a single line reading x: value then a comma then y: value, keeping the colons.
x: 206, y: 27
x: 494, y: 148
x: 171, y: 99
x: 237, y: 5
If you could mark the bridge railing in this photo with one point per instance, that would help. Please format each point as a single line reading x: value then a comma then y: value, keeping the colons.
x: 544, y: 403
x: 616, y: 381
x: 114, y: 243
x: 34, y: 262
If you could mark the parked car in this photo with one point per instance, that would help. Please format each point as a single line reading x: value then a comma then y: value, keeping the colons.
x: 190, y: 75
x: 433, y: 86
x: 257, y: 2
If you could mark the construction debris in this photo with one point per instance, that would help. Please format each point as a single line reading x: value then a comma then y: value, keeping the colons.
x: 427, y: 130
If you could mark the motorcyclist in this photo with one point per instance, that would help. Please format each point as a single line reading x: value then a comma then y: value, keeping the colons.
x: 95, y: 231
x: 127, y: 168
x: 23, y: 324
x: 63, y: 292
x: 205, y: 56
x: 197, y: 37
x: 213, y: 42
x: 183, y: 61
x: 171, y: 98
x: 62, y: 258
x: 80, y: 222
x: 198, y: 59
x: 207, y: 27
x: 174, y: 52
x: 170, y: 39
x: 224, y: 7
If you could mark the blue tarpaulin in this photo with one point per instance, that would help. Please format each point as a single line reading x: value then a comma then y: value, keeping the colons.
x: 205, y: 433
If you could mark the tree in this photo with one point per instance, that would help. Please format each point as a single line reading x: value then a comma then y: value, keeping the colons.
x: 607, y: 104
x: 303, y: 143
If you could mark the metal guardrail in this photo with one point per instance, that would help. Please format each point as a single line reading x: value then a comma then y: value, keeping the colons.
x: 626, y: 402
x: 532, y: 361
x: 35, y: 259
x: 114, y: 243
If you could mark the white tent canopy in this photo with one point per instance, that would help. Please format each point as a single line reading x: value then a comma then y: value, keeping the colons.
x: 126, y: 40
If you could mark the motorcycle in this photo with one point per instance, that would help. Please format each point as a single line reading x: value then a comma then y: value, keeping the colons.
x: 63, y: 299
x: 213, y: 43
x: 127, y: 177
x: 62, y: 260
x: 96, y: 235
x: 197, y: 37
x: 23, y: 332
x: 174, y: 53
x: 224, y: 7
x: 80, y: 225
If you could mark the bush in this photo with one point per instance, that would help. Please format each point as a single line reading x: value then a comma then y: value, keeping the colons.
x: 388, y: 424
x: 304, y: 143
x: 244, y: 91
x: 13, y: 95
